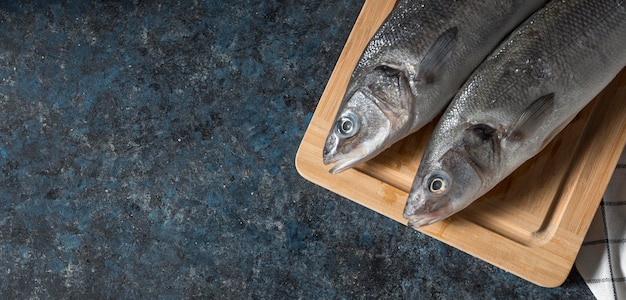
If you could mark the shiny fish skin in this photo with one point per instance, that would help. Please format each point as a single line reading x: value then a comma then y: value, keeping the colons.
x: 412, y: 68
x: 526, y: 92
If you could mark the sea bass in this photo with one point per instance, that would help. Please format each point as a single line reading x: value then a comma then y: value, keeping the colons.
x: 515, y: 102
x: 411, y: 69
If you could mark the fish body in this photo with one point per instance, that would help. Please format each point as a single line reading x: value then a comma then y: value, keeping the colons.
x: 515, y: 102
x: 411, y: 69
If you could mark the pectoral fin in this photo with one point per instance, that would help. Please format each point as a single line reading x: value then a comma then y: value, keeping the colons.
x: 531, y: 119
x: 436, y: 55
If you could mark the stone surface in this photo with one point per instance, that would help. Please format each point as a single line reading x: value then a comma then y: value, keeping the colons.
x: 147, y: 150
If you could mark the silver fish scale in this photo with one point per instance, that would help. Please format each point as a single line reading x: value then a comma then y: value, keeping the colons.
x: 537, y: 60
x: 402, y: 36
x: 408, y: 20
x: 412, y: 68
x: 413, y: 22
x: 564, y: 55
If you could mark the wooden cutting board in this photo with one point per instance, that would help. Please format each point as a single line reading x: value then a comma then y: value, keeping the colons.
x: 532, y: 224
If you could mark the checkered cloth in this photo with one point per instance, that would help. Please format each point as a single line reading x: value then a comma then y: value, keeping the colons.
x: 602, y: 258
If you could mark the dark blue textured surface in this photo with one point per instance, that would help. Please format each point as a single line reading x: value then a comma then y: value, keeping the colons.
x: 147, y: 150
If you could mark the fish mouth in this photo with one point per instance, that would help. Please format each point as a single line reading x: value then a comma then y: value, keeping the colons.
x: 342, y: 164
x: 418, y: 221
x: 427, y: 213
x: 346, y: 161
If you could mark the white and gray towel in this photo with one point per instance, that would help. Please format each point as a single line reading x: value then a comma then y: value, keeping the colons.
x: 602, y: 258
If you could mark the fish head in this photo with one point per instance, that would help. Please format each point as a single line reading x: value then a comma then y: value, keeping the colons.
x: 450, y: 182
x: 440, y: 190
x: 357, y: 134
x: 374, y: 113
x: 390, y: 93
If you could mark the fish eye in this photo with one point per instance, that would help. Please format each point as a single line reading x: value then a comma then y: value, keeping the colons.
x: 348, y: 125
x: 438, y: 184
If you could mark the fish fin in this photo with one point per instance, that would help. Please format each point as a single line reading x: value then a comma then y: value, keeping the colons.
x: 436, y: 55
x: 531, y: 118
